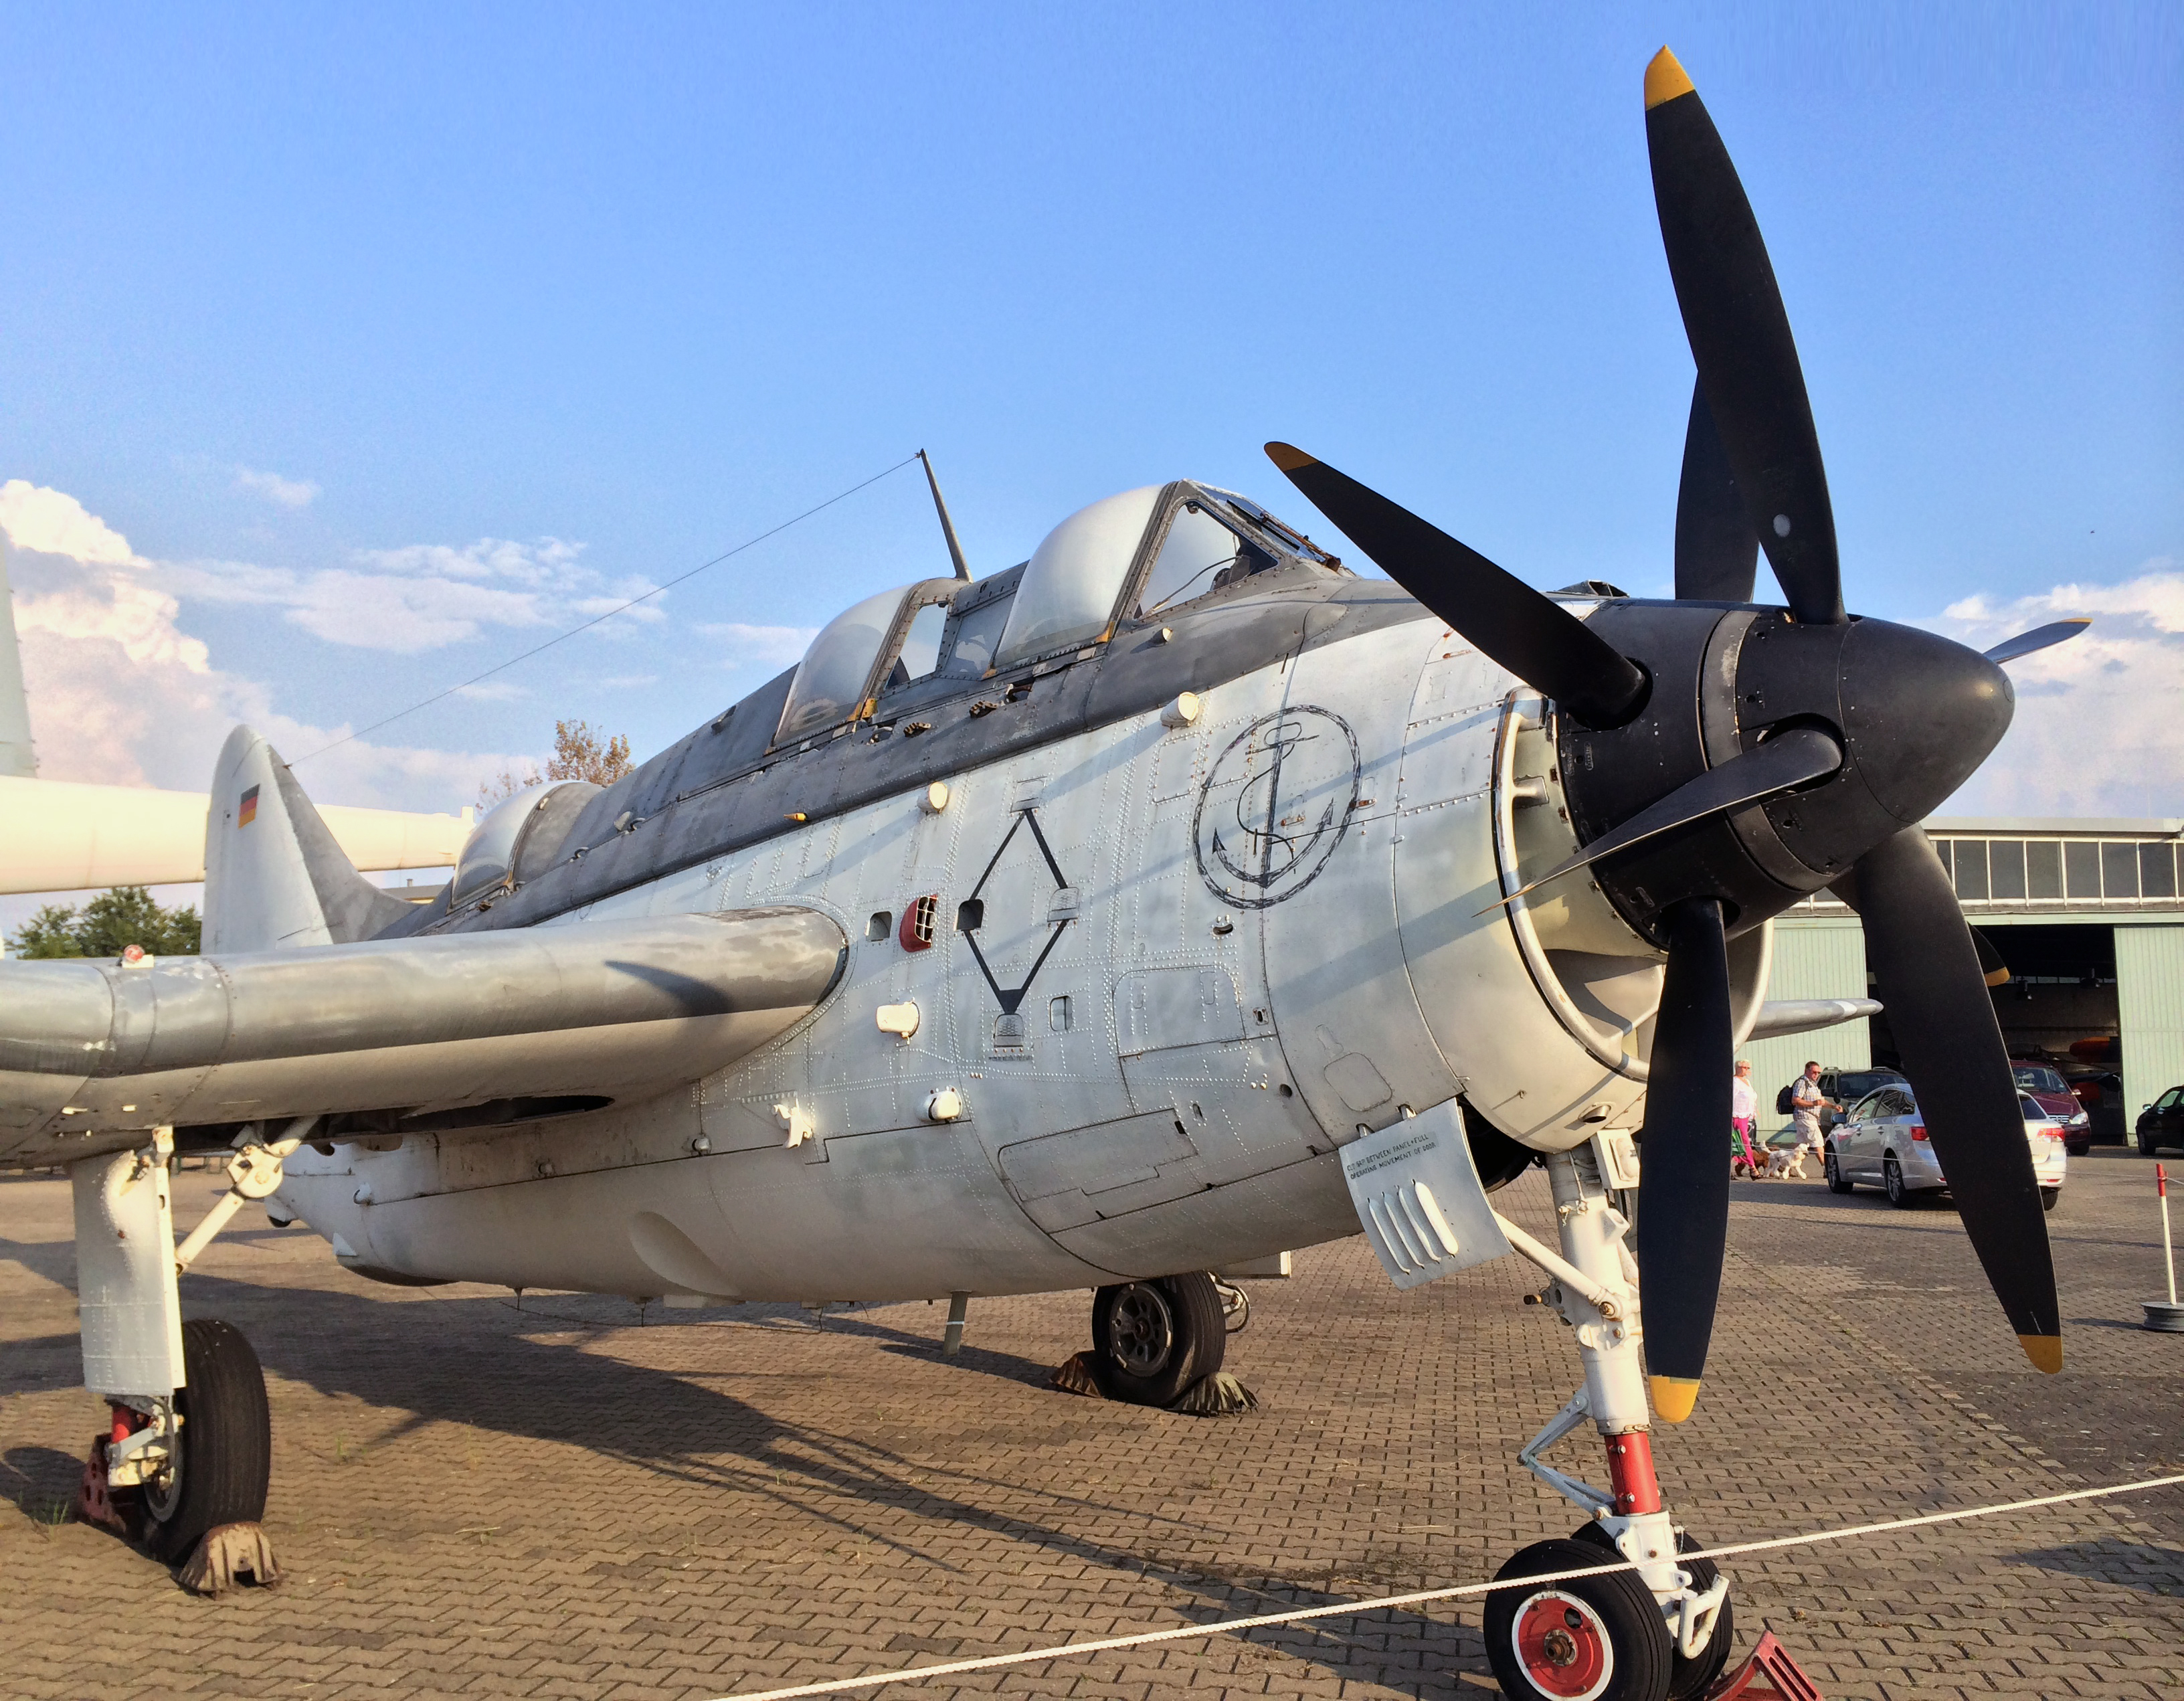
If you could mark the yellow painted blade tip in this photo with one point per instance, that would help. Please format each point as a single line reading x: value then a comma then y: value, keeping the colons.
x: 1289, y: 457
x: 1664, y: 80
x: 1997, y: 977
x: 1673, y: 1396
x: 2045, y: 1350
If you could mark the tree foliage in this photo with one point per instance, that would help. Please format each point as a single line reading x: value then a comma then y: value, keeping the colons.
x: 579, y: 752
x: 107, y: 924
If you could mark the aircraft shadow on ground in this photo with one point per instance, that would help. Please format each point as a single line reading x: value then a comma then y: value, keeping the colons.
x: 510, y: 1381
x: 2128, y: 1564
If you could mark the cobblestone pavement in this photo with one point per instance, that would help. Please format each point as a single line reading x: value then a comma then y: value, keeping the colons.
x: 475, y: 1499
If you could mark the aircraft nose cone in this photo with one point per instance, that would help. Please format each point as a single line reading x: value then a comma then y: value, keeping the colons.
x: 1921, y: 711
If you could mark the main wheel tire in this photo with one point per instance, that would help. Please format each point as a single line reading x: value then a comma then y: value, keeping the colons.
x: 1152, y: 1340
x: 1693, y: 1677
x: 1598, y: 1638
x: 1834, y: 1170
x: 2049, y: 1196
x: 224, y: 1447
x: 1891, y: 1183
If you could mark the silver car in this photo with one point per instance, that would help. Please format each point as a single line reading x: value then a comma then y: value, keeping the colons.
x: 1882, y: 1142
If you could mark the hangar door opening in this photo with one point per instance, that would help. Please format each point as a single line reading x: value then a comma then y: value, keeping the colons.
x: 2061, y: 993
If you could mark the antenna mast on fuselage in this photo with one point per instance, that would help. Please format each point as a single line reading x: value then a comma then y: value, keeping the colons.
x: 947, y: 525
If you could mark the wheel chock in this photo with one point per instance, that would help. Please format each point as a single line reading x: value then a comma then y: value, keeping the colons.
x: 228, y: 1553
x: 1769, y: 1671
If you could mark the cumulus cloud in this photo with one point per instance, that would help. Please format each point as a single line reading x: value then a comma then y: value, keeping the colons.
x: 2099, y: 729
x: 119, y: 694
x: 284, y: 493
x: 53, y: 523
x: 746, y: 646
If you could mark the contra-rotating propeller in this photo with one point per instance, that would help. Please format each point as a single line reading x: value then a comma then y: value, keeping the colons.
x: 1818, y: 744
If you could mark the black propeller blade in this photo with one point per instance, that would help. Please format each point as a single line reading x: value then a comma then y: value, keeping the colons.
x: 1682, y: 1182
x: 1785, y: 762
x: 1930, y: 979
x: 1992, y: 969
x: 2055, y: 632
x: 1716, y: 550
x: 1541, y: 643
x: 1740, y: 335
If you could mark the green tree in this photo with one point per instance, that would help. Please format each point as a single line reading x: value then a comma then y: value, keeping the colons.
x: 107, y: 925
x: 579, y: 752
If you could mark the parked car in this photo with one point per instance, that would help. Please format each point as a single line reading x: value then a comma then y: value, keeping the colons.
x: 2162, y: 1123
x: 2099, y: 1093
x: 1883, y: 1143
x: 2045, y: 1085
x: 1847, y: 1086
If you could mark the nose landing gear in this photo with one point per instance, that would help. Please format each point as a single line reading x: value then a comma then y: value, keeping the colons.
x: 1660, y: 1631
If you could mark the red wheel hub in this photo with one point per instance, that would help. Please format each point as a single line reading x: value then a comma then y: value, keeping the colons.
x: 1563, y: 1646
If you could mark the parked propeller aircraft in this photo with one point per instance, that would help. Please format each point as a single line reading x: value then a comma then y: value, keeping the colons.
x: 1172, y: 899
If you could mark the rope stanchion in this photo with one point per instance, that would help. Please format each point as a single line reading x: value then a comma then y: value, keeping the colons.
x: 917, y: 1674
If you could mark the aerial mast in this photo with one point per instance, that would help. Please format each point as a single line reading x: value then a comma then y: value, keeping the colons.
x: 947, y: 525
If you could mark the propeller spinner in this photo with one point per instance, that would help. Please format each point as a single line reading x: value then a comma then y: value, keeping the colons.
x: 1818, y: 744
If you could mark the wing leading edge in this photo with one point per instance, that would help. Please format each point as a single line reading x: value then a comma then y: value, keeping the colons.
x: 92, y: 1053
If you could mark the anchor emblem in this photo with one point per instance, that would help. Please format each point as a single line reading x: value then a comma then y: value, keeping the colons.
x: 1276, y: 804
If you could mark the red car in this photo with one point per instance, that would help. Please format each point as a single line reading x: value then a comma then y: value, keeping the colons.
x: 2043, y: 1083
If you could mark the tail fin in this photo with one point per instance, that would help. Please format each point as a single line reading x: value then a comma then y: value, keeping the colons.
x: 275, y: 879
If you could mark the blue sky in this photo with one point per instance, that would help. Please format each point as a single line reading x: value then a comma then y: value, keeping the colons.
x: 392, y: 340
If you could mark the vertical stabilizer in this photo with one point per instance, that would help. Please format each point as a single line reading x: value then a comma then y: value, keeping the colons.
x: 275, y: 879
x: 16, y: 759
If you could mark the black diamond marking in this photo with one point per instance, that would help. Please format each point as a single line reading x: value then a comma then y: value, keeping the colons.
x: 1011, y: 999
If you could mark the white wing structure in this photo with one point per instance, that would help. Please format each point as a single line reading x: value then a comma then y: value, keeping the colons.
x: 407, y: 1033
x: 57, y: 836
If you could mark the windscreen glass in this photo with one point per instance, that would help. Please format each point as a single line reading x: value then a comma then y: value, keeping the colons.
x: 978, y: 634
x: 1197, y: 548
x: 921, y: 647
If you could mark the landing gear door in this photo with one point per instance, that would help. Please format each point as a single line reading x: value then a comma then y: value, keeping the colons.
x: 1418, y: 1197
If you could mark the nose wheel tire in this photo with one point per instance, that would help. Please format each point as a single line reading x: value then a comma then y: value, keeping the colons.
x: 1152, y: 1340
x: 1688, y: 1679
x: 1599, y: 1638
x: 1836, y: 1183
x: 224, y: 1450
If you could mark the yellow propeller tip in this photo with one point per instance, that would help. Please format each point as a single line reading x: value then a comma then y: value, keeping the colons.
x: 1673, y: 1396
x: 1998, y: 977
x: 1289, y: 457
x: 2045, y: 1350
x: 1664, y: 80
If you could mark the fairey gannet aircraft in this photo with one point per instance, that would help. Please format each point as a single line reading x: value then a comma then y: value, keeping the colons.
x: 1170, y: 900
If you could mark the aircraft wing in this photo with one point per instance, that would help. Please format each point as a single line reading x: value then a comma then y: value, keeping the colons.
x: 411, y: 1031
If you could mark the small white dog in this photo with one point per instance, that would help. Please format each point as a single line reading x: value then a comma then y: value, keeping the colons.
x: 1787, y: 1163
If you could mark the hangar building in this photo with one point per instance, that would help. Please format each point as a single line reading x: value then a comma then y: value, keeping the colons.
x: 2087, y: 914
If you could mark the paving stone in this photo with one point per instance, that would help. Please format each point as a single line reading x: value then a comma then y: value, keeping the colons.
x: 560, y: 1499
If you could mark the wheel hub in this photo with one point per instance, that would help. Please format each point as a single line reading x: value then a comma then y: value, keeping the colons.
x: 1563, y: 1646
x: 1142, y: 1330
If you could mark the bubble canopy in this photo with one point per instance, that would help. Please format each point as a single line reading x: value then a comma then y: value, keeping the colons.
x: 831, y: 680
x: 1073, y: 578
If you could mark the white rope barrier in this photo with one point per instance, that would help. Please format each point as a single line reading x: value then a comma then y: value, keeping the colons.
x: 1184, y: 1632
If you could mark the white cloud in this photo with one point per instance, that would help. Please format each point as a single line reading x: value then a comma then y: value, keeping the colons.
x: 119, y: 694
x: 2099, y: 729
x: 492, y: 691
x: 286, y: 492
x: 423, y: 596
x: 743, y: 646
x: 37, y: 517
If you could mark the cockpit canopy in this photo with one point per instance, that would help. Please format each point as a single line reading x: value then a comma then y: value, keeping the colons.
x: 1136, y: 557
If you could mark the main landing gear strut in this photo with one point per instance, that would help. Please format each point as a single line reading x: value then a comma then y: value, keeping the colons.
x: 184, y: 1464
x: 1660, y: 1631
